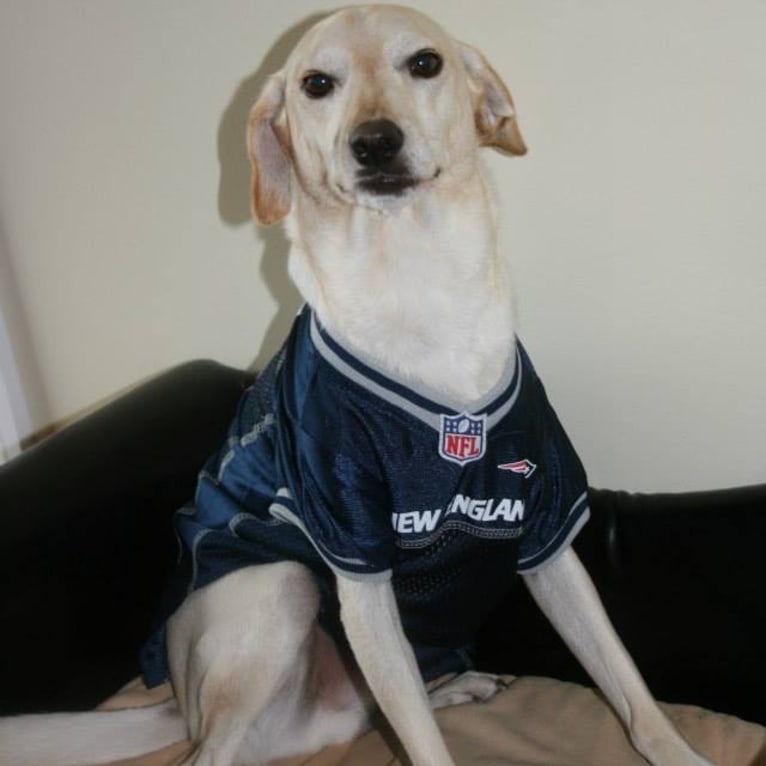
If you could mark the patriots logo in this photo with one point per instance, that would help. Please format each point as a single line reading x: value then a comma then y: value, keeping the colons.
x: 524, y: 467
x: 462, y: 438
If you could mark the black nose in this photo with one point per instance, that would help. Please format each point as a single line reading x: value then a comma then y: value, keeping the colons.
x: 376, y: 143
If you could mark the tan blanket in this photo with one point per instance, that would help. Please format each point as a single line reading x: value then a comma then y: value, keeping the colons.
x: 535, y: 722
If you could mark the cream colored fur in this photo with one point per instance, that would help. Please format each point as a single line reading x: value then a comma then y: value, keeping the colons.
x: 254, y: 677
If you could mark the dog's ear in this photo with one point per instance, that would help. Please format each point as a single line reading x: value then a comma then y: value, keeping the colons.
x: 495, y: 114
x: 268, y: 144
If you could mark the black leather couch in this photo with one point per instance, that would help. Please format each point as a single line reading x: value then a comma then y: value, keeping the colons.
x: 86, y: 543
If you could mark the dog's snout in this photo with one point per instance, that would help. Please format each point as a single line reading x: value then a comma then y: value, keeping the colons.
x: 376, y: 143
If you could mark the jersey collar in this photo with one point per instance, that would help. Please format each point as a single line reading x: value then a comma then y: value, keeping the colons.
x: 427, y: 406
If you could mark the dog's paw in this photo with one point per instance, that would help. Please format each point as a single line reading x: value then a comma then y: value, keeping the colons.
x: 467, y: 687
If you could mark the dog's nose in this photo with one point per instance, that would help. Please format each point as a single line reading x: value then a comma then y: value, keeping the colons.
x: 376, y: 143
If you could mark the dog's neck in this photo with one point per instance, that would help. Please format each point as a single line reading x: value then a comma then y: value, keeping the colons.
x: 421, y: 292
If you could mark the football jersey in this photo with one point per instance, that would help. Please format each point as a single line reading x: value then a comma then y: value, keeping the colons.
x: 333, y: 463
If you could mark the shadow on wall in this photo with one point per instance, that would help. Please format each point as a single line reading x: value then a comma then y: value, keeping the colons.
x: 234, y: 190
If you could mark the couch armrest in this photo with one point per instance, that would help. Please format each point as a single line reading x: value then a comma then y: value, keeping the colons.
x: 86, y: 536
x: 681, y: 577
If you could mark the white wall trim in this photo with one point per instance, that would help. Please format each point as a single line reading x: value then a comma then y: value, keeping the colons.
x: 14, y: 413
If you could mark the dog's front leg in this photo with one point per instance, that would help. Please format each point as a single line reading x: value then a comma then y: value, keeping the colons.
x: 371, y: 621
x: 567, y: 596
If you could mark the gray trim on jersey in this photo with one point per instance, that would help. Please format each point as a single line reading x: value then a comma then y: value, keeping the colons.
x: 561, y: 545
x: 428, y: 417
x: 281, y: 512
x: 243, y: 518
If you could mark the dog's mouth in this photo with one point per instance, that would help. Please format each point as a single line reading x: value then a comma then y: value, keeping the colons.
x: 389, y: 182
x: 385, y: 183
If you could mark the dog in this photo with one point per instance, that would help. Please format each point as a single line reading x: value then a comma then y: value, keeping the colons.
x: 398, y: 451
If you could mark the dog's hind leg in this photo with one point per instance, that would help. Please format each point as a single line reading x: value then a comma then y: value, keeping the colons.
x: 235, y: 649
x: 325, y: 703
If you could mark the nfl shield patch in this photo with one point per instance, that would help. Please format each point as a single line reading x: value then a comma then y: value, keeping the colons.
x: 462, y: 438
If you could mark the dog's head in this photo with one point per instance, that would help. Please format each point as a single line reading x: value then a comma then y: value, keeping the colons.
x: 374, y: 104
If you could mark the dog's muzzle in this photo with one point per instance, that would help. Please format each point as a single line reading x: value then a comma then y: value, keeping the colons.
x: 376, y: 145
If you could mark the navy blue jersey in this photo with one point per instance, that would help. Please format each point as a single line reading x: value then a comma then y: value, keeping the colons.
x: 335, y: 464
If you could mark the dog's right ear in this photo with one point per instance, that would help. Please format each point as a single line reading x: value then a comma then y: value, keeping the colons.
x: 495, y: 114
x: 268, y: 144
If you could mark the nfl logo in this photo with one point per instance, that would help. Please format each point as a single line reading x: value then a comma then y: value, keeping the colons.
x: 462, y: 438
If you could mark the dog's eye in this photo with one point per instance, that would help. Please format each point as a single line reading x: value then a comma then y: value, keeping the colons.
x: 425, y: 64
x: 317, y: 85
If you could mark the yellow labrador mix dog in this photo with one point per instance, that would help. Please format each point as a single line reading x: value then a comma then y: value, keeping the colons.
x: 396, y: 466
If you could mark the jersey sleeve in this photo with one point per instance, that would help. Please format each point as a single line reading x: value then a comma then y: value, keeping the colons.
x: 560, y: 507
x: 337, y: 496
x: 345, y: 512
x: 333, y: 488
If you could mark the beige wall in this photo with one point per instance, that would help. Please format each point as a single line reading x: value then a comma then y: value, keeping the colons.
x: 636, y: 223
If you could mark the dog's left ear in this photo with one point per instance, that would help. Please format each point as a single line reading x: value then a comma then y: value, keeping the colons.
x: 495, y: 114
x: 268, y: 144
